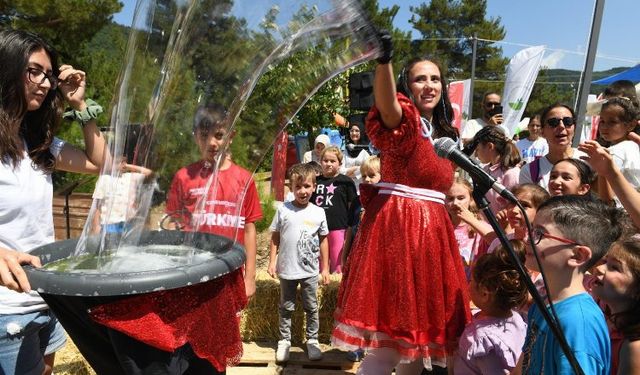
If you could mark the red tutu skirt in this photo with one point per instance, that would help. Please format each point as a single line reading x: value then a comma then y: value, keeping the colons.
x: 404, y: 285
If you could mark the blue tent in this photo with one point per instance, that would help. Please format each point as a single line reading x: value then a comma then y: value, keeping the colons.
x: 632, y: 74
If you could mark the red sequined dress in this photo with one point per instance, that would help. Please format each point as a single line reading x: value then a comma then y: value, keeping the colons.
x: 404, y: 285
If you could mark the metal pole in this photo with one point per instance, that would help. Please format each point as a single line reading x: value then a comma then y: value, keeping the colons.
x: 585, y: 82
x: 473, y: 72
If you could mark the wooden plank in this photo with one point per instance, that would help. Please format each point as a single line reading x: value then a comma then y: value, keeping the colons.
x: 241, y: 370
x: 265, y: 352
x: 295, y: 370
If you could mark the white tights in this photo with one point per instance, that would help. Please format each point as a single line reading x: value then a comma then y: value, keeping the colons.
x: 382, y: 362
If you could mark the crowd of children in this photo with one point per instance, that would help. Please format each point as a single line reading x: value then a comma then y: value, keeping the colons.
x: 577, y: 233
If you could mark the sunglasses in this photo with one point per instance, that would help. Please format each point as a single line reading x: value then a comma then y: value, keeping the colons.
x: 555, y: 121
x: 491, y: 104
x: 38, y: 76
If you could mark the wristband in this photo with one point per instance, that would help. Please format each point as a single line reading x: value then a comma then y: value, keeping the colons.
x: 91, y: 112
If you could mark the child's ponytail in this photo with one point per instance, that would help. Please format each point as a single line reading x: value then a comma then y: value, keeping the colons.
x: 505, y: 147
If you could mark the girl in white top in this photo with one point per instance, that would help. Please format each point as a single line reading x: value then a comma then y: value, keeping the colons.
x: 558, y: 128
x: 618, y: 119
x: 33, y: 90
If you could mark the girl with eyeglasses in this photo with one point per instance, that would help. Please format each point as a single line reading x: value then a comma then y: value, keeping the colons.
x: 33, y: 89
x: 618, y: 119
x: 558, y: 128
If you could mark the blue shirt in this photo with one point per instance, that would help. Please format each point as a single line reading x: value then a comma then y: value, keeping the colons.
x: 585, y: 329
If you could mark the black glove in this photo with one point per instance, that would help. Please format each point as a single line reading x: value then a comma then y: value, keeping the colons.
x: 387, y: 47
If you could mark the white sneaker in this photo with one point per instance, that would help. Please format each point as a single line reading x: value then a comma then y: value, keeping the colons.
x: 313, y: 350
x: 282, y: 354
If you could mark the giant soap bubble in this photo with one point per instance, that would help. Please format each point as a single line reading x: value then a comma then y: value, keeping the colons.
x: 246, y: 67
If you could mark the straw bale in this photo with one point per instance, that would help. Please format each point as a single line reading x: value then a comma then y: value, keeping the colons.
x: 69, y: 361
x: 260, y: 318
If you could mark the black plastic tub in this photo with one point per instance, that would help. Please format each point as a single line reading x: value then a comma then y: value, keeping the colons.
x: 229, y: 256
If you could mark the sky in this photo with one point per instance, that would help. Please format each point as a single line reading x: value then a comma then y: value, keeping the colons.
x: 560, y: 25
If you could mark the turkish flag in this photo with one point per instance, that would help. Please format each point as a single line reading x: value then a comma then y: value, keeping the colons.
x: 456, y: 96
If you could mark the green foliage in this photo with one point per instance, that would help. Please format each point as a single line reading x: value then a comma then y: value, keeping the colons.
x: 267, y: 202
x: 546, y: 92
x: 447, y: 28
x: 67, y: 24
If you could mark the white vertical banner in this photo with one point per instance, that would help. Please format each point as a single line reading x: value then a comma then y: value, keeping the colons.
x: 522, y: 72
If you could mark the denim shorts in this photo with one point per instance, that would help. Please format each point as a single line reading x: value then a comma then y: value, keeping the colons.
x: 25, y: 339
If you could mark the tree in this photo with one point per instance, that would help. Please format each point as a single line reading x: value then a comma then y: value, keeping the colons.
x: 546, y: 92
x: 66, y: 24
x: 447, y: 28
x: 333, y: 96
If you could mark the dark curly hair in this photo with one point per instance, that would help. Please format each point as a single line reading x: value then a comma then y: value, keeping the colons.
x: 37, y: 127
x: 497, y: 272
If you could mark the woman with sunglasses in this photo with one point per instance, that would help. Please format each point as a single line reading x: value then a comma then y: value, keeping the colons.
x: 33, y: 89
x: 558, y: 128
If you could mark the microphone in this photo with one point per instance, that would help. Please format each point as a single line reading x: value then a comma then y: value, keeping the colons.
x: 352, y: 147
x: 448, y: 149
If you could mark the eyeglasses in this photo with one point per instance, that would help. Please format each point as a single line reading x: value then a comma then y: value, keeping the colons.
x: 537, y: 235
x: 555, y: 121
x: 38, y: 76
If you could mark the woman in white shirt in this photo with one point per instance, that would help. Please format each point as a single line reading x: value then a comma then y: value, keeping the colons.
x: 33, y: 91
x: 355, y: 155
x: 558, y: 128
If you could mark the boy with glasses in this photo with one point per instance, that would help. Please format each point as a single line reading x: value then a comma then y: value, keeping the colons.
x: 571, y: 235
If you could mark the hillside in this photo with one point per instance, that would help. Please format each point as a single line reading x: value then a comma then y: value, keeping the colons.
x: 564, y: 75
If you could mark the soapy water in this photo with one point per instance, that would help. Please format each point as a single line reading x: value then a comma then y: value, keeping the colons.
x: 182, y: 55
x: 133, y: 259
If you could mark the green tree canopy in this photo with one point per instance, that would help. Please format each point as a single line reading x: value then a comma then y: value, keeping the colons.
x: 447, y: 28
x: 67, y: 24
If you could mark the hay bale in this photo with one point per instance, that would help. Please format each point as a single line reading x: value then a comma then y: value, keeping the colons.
x: 260, y: 318
x: 69, y: 361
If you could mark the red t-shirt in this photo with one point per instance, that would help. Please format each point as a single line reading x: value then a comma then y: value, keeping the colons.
x: 236, y: 200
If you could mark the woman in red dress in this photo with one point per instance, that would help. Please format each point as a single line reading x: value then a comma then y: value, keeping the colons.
x: 404, y: 296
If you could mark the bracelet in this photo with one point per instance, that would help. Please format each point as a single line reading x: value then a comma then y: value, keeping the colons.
x: 91, y: 112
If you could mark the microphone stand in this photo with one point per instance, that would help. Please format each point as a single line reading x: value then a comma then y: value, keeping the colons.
x: 478, y: 194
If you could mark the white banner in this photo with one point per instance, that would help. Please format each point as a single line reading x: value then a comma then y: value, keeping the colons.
x: 522, y: 72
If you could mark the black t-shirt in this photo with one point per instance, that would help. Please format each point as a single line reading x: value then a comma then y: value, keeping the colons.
x: 335, y: 195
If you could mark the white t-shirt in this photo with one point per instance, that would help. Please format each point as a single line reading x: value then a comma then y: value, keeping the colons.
x: 532, y: 149
x: 473, y: 126
x: 626, y: 156
x: 349, y: 162
x: 310, y: 156
x: 26, y: 221
x: 118, y: 195
x: 299, y: 250
x: 544, y: 171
